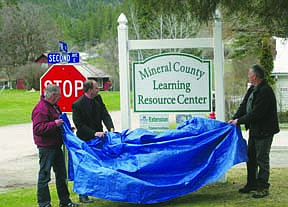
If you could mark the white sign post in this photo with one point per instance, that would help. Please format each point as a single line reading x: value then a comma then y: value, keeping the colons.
x: 124, y: 45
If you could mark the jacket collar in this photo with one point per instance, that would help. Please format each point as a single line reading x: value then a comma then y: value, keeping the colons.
x: 263, y: 82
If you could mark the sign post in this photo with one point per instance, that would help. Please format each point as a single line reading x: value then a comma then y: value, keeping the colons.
x: 124, y: 45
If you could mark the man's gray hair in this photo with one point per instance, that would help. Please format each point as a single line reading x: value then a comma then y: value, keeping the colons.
x: 259, y: 71
x: 50, y: 90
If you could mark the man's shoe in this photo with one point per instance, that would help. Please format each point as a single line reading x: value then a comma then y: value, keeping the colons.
x: 69, y: 205
x: 85, y: 199
x: 247, y: 189
x: 261, y: 194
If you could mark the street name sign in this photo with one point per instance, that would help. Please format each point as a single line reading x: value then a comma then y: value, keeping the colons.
x: 70, y: 57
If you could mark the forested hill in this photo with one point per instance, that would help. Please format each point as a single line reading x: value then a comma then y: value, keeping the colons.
x: 82, y: 21
x: 72, y: 8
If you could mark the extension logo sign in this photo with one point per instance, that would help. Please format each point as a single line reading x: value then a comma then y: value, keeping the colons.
x: 172, y: 82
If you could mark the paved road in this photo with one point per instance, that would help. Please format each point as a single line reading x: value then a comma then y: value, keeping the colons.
x: 18, y: 154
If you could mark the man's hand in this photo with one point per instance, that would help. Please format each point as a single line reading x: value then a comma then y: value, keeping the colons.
x: 59, y: 122
x: 99, y: 134
x: 234, y: 122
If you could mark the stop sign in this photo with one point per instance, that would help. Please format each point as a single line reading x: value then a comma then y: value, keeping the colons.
x: 70, y: 81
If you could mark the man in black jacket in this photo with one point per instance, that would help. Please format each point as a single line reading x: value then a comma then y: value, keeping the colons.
x: 89, y: 112
x: 258, y: 111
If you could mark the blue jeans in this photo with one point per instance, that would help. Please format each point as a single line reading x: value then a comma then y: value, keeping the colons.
x: 51, y: 158
x: 258, y: 165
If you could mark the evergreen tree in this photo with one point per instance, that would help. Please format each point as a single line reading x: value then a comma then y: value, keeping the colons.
x: 266, y: 59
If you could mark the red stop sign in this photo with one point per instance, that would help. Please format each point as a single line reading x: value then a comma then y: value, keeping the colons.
x: 70, y: 81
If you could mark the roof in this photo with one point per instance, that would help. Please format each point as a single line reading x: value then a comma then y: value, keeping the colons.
x: 42, y: 55
x: 89, y: 71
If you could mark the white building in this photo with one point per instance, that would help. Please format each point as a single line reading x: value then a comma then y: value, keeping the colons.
x: 280, y: 73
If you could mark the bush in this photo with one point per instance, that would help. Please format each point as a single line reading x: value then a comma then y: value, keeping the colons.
x: 283, y: 117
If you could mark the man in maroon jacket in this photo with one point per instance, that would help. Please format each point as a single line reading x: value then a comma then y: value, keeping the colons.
x: 48, y: 139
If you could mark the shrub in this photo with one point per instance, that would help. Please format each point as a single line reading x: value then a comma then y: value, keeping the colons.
x: 283, y: 117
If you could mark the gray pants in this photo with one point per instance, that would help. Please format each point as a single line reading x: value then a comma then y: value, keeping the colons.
x: 258, y: 165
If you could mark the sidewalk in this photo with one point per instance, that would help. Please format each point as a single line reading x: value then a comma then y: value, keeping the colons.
x: 279, y: 150
x: 19, y: 161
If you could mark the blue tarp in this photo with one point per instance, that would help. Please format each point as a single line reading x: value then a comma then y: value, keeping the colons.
x: 141, y: 167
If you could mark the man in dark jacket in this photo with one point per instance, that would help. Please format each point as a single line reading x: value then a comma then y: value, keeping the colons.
x: 89, y: 112
x: 48, y: 138
x: 258, y: 111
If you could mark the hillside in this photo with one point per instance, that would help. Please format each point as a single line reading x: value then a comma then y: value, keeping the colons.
x: 82, y: 22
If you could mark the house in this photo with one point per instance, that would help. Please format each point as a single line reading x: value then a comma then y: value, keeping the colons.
x: 91, y: 72
x: 4, y: 83
x: 88, y: 70
x: 280, y: 74
x: 43, y: 60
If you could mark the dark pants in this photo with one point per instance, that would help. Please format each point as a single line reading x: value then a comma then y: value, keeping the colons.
x: 258, y: 165
x: 51, y: 158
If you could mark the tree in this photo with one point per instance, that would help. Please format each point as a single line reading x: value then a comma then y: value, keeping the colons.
x: 158, y: 25
x: 88, y: 23
x: 268, y: 13
x: 4, y: 3
x: 266, y: 59
x: 111, y: 61
x: 31, y: 73
x: 26, y: 32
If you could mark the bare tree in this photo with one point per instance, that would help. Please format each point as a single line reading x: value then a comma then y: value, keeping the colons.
x: 31, y: 73
x: 111, y: 61
x: 26, y: 32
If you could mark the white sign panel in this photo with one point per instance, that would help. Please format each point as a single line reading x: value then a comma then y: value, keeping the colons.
x: 172, y: 82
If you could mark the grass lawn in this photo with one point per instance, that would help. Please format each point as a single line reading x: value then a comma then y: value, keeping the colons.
x: 212, y: 195
x: 16, y: 105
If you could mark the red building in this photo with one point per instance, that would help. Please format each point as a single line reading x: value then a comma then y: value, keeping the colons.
x: 90, y: 71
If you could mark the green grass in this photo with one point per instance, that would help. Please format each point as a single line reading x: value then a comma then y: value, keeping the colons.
x: 212, y: 195
x: 16, y: 105
x: 111, y: 100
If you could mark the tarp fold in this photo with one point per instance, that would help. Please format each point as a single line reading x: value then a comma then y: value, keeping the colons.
x: 141, y: 167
